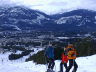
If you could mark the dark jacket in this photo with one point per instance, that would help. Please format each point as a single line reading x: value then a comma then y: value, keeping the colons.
x: 50, y: 52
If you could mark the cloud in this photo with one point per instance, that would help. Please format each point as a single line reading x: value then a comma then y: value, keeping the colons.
x: 3, y: 2
x: 38, y: 5
x: 60, y: 3
x: 7, y: 3
x: 50, y: 6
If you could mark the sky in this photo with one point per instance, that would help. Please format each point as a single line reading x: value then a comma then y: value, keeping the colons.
x: 52, y: 6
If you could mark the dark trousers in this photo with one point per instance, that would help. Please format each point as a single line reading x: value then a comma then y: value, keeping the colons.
x: 61, y: 66
x: 71, y: 64
x: 51, y: 63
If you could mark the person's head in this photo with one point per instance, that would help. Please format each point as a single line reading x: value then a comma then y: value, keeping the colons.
x: 70, y: 45
x: 50, y: 43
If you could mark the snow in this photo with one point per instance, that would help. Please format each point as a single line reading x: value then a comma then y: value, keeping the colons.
x: 1, y: 15
x: 83, y: 22
x: 40, y: 16
x: 95, y: 17
x: 94, y: 22
x: 87, y: 34
x: 19, y: 10
x: 63, y: 37
x: 78, y: 34
x: 85, y: 64
x: 64, y: 19
x: 16, y: 27
x: 18, y: 52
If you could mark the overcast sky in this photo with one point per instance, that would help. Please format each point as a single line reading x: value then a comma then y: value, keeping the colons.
x: 52, y: 6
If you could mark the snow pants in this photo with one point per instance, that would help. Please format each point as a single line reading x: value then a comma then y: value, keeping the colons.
x: 51, y: 63
x: 71, y: 64
x: 61, y: 66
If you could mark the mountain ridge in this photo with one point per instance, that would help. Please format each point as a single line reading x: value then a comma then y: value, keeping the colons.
x: 23, y: 18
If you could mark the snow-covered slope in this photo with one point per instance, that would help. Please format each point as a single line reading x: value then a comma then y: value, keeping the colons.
x: 23, y: 18
x: 21, y: 15
x: 63, y: 20
x: 85, y: 64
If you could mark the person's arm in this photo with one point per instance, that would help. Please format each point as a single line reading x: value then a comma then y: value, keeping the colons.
x: 65, y: 48
x: 53, y: 52
x: 46, y: 52
x: 73, y: 49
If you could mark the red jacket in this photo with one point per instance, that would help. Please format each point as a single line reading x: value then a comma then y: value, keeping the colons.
x: 64, y: 58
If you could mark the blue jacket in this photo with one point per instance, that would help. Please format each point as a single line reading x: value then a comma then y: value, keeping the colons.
x: 50, y: 52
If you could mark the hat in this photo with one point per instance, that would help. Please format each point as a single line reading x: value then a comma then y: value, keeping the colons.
x: 70, y: 45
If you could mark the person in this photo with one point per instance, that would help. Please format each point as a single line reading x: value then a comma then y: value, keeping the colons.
x: 71, y: 55
x: 64, y: 61
x: 49, y: 52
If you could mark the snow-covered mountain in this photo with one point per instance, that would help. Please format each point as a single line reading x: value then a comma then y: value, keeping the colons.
x: 63, y: 20
x: 20, y: 17
x: 82, y: 16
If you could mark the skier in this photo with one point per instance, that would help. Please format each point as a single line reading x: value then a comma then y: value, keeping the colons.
x: 50, y: 54
x: 64, y: 61
x: 71, y: 55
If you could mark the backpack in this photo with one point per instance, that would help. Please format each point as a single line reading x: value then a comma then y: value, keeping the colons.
x: 71, y: 54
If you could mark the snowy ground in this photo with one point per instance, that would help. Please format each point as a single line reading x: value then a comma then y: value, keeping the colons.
x: 85, y: 64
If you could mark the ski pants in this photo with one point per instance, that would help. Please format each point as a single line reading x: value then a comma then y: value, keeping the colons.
x: 51, y: 63
x: 61, y: 66
x: 71, y: 64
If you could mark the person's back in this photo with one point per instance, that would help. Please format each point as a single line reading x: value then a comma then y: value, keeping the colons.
x: 71, y: 52
x: 71, y: 55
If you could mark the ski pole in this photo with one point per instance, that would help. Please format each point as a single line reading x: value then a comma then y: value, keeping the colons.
x: 46, y: 62
x: 73, y: 62
x: 55, y: 68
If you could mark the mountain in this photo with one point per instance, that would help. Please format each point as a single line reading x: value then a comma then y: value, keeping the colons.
x: 23, y: 18
x: 77, y: 20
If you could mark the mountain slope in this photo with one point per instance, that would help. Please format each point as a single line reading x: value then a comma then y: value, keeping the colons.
x: 23, y: 18
x: 85, y: 64
x: 78, y: 19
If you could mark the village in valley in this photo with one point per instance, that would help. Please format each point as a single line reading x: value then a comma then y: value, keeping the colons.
x: 32, y: 38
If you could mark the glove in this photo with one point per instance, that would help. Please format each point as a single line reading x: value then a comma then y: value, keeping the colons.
x: 45, y: 55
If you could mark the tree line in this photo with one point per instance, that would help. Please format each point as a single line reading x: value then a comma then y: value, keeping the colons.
x: 17, y: 56
x: 83, y: 47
